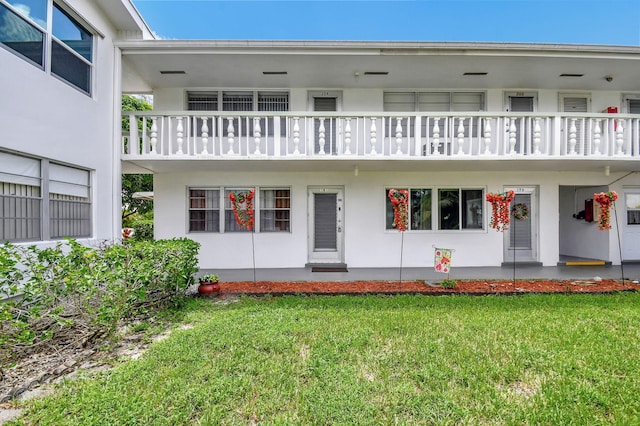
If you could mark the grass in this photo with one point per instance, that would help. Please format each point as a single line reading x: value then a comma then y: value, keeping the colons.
x: 537, y: 359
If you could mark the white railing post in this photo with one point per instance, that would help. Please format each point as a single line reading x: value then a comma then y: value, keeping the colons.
x: 436, y: 136
x: 205, y: 137
x: 398, y: 136
x: 461, y: 136
x: 619, y: 136
x: 230, y: 136
x: 597, y: 135
x: 347, y: 136
x: 256, y: 135
x: 134, y: 138
x: 512, y: 136
x: 373, y: 132
x: 179, y: 135
x: 536, y: 136
x: 573, y: 130
x: 487, y: 136
x: 153, y: 141
x: 321, y: 137
x: 417, y: 136
x: 296, y: 135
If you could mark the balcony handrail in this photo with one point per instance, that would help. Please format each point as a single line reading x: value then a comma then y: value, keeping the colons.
x: 293, y: 134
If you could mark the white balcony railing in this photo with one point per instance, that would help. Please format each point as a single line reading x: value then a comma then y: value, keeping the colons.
x: 392, y: 135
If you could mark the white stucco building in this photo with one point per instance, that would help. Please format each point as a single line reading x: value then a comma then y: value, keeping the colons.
x: 59, y: 115
x: 322, y: 130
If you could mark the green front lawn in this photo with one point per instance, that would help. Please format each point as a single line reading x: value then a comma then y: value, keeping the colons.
x: 537, y: 359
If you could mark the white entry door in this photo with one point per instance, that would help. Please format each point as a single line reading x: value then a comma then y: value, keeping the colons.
x: 631, y: 227
x: 521, y: 237
x: 326, y: 224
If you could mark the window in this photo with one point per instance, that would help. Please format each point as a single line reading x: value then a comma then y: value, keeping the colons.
x: 633, y: 208
x: 457, y: 209
x: 272, y: 210
x: 20, y: 35
x: 420, y: 209
x: 66, y: 192
x: 71, y: 50
x: 460, y: 208
x: 204, y: 210
x: 275, y: 210
x: 432, y: 102
x: 69, y: 45
x: 69, y: 202
x: 242, y: 101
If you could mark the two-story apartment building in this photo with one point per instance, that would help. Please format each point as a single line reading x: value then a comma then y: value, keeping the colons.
x: 322, y: 130
x: 60, y: 117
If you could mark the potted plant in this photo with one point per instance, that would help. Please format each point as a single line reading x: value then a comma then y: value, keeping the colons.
x: 208, y: 284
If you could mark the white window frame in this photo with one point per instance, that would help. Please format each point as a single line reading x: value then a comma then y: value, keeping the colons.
x: 225, y: 208
x: 435, y: 208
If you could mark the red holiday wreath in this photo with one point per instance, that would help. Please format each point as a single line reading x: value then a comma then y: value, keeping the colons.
x: 400, y: 201
x: 500, y: 209
x: 242, y: 203
x: 606, y: 201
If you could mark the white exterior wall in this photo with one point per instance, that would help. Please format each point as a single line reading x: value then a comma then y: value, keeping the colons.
x: 367, y: 242
x: 44, y: 116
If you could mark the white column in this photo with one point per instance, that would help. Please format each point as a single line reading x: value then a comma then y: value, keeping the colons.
x: 573, y: 131
x: 373, y: 132
x: 205, y: 136
x: 230, y: 136
x: 321, y: 136
x: 536, y: 136
x: 398, y: 136
x: 296, y: 135
x: 597, y: 134
x: 436, y: 136
x: 257, y: 133
x: 179, y: 136
x: 461, y: 136
x: 154, y: 135
x: 619, y: 137
x: 487, y: 136
x: 512, y: 136
x: 347, y: 136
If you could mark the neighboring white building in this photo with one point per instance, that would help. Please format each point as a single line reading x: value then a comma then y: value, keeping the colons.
x: 60, y: 115
x: 321, y: 131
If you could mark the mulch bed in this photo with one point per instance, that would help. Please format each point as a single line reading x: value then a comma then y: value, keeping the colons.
x: 472, y: 287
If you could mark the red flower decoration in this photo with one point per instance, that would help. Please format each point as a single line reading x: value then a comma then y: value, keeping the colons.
x: 242, y: 203
x: 500, y: 209
x: 400, y: 202
x: 606, y: 201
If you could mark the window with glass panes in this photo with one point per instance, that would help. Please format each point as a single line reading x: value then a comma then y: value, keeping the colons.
x: 204, y: 210
x: 64, y: 42
x: 632, y: 201
x: 275, y: 210
x: 455, y: 208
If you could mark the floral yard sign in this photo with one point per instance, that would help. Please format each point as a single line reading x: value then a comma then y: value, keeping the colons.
x: 606, y: 201
x: 500, y: 209
x: 400, y: 202
x: 242, y: 203
x: 442, y: 261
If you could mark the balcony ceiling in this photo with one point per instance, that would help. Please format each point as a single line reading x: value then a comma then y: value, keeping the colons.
x: 410, y: 65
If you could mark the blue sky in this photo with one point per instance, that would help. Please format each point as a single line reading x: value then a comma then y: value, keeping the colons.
x: 615, y: 22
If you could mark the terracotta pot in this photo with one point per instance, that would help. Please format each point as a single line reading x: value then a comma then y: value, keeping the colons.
x: 209, y: 288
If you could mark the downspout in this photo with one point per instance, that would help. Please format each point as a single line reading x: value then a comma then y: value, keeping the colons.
x: 116, y: 186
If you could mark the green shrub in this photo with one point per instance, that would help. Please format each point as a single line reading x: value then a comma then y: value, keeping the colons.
x: 143, y: 230
x: 73, y: 287
x: 449, y: 283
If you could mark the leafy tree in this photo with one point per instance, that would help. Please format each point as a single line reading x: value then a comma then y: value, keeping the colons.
x: 131, y: 183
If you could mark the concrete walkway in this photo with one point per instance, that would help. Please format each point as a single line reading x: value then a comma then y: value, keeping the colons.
x: 631, y: 272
